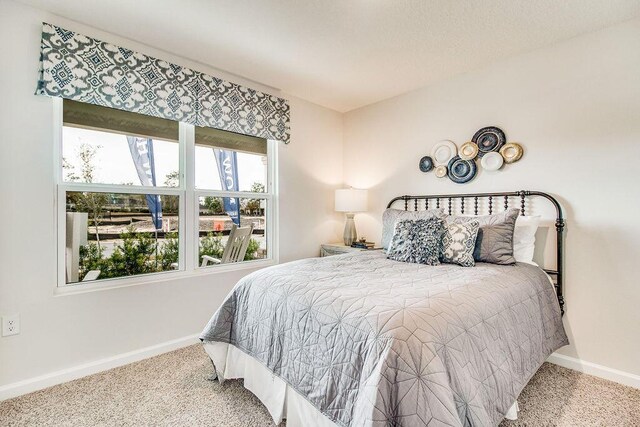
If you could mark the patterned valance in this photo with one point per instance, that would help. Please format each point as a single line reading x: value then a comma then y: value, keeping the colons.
x: 81, y: 68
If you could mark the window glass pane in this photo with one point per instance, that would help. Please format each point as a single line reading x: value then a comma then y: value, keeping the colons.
x: 230, y: 162
x: 102, y: 157
x: 110, y: 235
x: 216, y: 224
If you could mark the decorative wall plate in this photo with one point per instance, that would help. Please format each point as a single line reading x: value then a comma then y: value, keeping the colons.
x: 426, y: 164
x: 489, y: 139
x: 443, y: 151
x: 511, y: 152
x: 492, y: 161
x: 461, y: 171
x: 441, y: 171
x: 468, y: 151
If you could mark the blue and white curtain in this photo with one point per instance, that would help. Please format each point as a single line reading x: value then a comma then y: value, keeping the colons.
x: 84, y: 69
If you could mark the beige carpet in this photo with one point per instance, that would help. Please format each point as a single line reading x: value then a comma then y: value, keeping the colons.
x: 172, y: 389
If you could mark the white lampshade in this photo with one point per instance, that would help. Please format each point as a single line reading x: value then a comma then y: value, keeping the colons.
x: 351, y: 200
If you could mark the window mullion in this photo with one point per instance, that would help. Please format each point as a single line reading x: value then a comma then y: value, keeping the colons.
x: 189, y: 218
x: 234, y: 194
x: 123, y: 189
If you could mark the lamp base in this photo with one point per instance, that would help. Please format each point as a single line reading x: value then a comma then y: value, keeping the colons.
x: 349, y: 234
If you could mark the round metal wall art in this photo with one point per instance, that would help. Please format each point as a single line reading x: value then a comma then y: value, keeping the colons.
x: 443, y: 151
x: 492, y: 161
x: 468, y: 151
x: 511, y: 152
x: 489, y: 139
x: 461, y: 171
x: 426, y: 164
x: 487, y: 149
x: 441, y: 171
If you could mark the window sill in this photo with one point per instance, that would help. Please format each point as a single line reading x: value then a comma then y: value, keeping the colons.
x: 82, y: 287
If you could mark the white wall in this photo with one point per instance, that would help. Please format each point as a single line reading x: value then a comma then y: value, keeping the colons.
x: 310, y: 169
x: 60, y: 332
x: 575, y: 107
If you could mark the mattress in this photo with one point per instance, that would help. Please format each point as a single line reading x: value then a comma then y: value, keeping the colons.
x: 369, y: 341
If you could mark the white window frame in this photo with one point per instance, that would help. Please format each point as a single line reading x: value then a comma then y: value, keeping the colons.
x: 189, y: 218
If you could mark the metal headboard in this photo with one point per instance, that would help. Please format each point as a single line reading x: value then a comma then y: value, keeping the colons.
x: 446, y: 201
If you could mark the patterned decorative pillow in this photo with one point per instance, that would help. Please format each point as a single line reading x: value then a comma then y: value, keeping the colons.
x: 391, y: 216
x: 417, y: 241
x: 495, y: 237
x: 400, y: 246
x: 427, y: 240
x: 459, y: 242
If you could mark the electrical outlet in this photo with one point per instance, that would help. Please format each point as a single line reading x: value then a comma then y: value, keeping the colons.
x: 10, y: 325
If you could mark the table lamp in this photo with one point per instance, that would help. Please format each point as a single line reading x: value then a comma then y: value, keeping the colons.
x: 350, y: 201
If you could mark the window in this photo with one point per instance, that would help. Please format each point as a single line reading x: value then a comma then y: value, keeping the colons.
x: 139, y: 195
x: 231, y: 187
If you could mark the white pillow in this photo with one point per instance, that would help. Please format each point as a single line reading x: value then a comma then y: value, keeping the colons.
x: 524, y: 238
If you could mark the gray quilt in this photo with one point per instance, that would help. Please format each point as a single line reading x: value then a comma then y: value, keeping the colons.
x: 370, y: 341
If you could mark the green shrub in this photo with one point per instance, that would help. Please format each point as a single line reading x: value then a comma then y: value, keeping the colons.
x: 90, y: 258
x: 139, y: 253
x: 211, y: 245
x: 135, y: 255
x: 214, y: 205
x: 252, y: 248
x: 169, y: 251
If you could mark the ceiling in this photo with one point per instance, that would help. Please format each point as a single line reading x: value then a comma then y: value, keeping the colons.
x: 344, y: 54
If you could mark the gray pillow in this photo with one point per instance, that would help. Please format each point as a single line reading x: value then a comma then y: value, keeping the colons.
x: 458, y: 243
x: 495, y: 237
x: 418, y: 241
x: 391, y: 216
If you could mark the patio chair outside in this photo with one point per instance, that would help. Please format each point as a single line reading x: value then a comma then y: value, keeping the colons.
x: 235, y: 249
x: 91, y: 275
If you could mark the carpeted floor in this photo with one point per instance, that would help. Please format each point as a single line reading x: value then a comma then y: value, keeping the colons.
x: 172, y: 389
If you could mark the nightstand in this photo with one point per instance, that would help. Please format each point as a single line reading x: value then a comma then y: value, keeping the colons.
x: 328, y: 249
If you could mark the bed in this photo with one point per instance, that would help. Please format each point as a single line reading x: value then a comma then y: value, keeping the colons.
x: 361, y: 340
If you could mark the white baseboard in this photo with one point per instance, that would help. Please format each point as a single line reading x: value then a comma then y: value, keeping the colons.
x: 43, y: 381
x: 600, y: 371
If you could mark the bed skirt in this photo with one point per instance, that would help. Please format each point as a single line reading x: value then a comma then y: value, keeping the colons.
x: 281, y: 400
